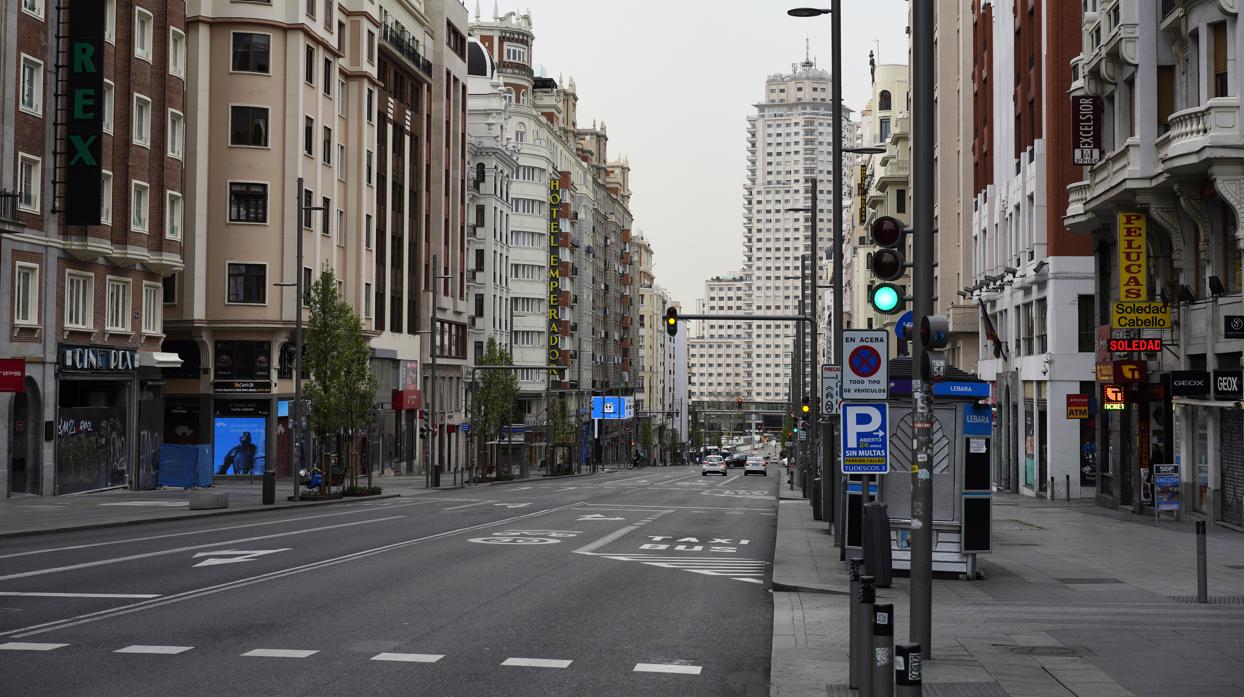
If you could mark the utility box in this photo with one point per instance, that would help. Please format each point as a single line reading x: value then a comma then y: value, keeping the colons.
x: 878, y: 555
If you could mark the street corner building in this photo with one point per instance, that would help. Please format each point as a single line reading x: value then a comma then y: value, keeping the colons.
x: 92, y: 228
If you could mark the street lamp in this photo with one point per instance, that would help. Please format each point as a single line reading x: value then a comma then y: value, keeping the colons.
x: 433, y: 476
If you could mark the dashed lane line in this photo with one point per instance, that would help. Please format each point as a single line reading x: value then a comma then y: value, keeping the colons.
x: 123, y: 596
x: 666, y: 668
x: 537, y: 662
x: 29, y: 646
x: 408, y: 657
x: 281, y: 653
x: 155, y: 650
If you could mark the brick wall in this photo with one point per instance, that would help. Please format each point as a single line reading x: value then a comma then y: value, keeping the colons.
x: 100, y: 272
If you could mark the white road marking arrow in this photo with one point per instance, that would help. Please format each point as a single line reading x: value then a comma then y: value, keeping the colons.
x: 513, y: 505
x: 235, y: 555
x: 595, y: 516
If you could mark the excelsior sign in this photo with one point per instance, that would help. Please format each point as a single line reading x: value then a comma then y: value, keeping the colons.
x: 554, y: 318
x: 1085, y: 130
x: 1133, y: 282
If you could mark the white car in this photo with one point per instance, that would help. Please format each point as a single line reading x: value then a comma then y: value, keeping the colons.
x: 755, y: 465
x: 714, y: 464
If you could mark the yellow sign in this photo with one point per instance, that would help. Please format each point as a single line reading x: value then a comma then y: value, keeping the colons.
x: 1133, y: 269
x: 1115, y: 398
x: 1105, y: 372
x: 1077, y: 412
x: 554, y: 320
x: 1140, y: 315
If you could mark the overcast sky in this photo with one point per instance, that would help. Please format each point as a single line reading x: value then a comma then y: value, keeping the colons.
x: 674, y: 81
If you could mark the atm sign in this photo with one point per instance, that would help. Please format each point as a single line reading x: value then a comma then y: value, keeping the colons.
x: 1077, y: 406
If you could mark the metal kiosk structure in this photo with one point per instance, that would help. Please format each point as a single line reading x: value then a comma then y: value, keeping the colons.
x: 962, y: 464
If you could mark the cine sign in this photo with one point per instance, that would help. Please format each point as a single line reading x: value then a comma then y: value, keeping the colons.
x: 85, y: 126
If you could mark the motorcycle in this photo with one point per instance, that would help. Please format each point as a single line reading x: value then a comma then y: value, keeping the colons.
x: 311, y: 479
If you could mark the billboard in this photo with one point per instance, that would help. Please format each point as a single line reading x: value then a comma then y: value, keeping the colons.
x: 1086, y: 130
x: 238, y: 444
x: 1133, y: 266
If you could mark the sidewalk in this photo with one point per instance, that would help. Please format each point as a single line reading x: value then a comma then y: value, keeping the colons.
x: 26, y: 514
x: 1077, y: 601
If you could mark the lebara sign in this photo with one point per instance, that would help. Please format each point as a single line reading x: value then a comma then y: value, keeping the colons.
x: 84, y: 128
x: 1085, y: 130
x: 555, y: 284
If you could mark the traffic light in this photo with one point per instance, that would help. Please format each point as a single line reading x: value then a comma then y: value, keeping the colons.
x: 888, y: 264
x: 671, y: 321
x: 738, y: 401
x: 934, y: 333
x: 806, y: 408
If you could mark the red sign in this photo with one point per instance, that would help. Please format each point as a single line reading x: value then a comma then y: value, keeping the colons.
x: 1086, y: 118
x: 1153, y: 345
x: 12, y: 375
x: 1130, y: 371
x: 1077, y: 406
x: 407, y: 399
x: 1114, y: 397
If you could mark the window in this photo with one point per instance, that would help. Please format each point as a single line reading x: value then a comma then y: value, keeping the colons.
x: 367, y: 300
x: 341, y: 161
x: 142, y: 120
x: 341, y: 97
x: 341, y: 38
x: 367, y: 230
x: 109, y: 96
x: 248, y: 284
x: 1085, y: 324
x: 883, y: 101
x: 308, y: 136
x: 520, y: 134
x: 367, y: 168
x: 140, y: 202
x: 176, y: 53
x: 26, y: 294
x: 173, y: 216
x: 143, y: 23
x: 308, y: 202
x: 117, y: 317
x: 884, y: 127
x: 328, y: 76
x: 29, y: 181
x: 248, y: 125
x: 79, y: 293
x: 248, y: 202
x: 110, y: 21
x: 169, y: 286
x: 900, y: 201
x: 371, y: 46
x: 152, y: 302
x: 326, y: 152
x: 105, y: 198
x: 328, y: 13
x: 251, y: 52
x: 32, y: 86
x: 341, y: 227
x: 308, y: 72
x: 1218, y: 37
x: 517, y: 53
x: 326, y: 212
x: 311, y: 8
x: 33, y: 7
x: 176, y: 134
x: 371, y: 100
x: 306, y: 286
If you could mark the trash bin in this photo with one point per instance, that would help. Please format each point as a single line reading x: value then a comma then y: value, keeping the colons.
x: 878, y: 558
x: 816, y: 499
x: 269, y: 487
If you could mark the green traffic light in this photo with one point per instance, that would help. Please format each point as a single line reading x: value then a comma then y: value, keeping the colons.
x: 886, y: 298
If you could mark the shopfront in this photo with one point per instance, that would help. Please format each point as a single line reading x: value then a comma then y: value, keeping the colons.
x: 242, y: 426
x: 96, y: 411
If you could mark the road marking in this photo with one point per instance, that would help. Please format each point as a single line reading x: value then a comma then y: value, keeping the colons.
x: 666, y: 668
x: 748, y: 580
x: 190, y: 548
x: 616, y: 534
x: 157, y: 650
x: 477, y: 503
x: 408, y: 657
x: 89, y: 617
x: 150, y: 504
x: 148, y: 538
x: 521, y: 488
x: 280, y: 653
x: 639, y: 506
x: 513, y: 505
x: 536, y: 662
x: 24, y: 594
x: 233, y: 556
x: 29, y: 646
x: 597, y: 516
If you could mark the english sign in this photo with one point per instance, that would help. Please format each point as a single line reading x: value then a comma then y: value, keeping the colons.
x: 1189, y: 383
x: 97, y: 358
x: 1228, y: 384
x: 1077, y: 406
x: 12, y: 375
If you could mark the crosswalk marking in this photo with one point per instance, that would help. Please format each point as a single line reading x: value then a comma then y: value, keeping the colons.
x: 28, y: 646
x: 666, y: 668
x: 158, y: 650
x: 408, y: 657
x: 280, y: 653
x: 537, y: 662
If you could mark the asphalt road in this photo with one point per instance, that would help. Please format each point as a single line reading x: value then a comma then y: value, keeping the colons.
x: 643, y: 582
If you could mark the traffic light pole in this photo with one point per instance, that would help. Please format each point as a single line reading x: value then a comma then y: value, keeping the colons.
x: 830, y: 480
x: 923, y: 185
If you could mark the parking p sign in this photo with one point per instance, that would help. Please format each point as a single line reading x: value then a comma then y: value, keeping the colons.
x: 865, y: 438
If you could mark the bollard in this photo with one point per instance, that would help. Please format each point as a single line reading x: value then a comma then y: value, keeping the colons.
x: 1052, y: 497
x: 817, y: 513
x: 1202, y: 583
x: 907, y: 670
x: 855, y: 653
x: 1069, y: 488
x: 867, y: 597
x: 269, y: 487
x: 883, y: 650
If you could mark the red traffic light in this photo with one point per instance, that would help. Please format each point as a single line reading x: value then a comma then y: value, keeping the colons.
x: 887, y: 232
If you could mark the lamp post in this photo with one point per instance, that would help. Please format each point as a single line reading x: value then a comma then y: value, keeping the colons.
x: 433, y: 475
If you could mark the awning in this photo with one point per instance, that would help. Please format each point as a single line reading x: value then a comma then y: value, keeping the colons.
x: 158, y: 359
x: 1213, y: 403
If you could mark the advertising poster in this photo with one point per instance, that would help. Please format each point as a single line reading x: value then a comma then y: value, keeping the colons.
x: 238, y: 445
x: 1166, y: 487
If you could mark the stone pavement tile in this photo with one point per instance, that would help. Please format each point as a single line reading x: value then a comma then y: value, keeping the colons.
x: 1035, y: 639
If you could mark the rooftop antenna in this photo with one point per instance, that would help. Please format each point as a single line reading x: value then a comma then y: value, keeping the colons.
x: 807, y: 47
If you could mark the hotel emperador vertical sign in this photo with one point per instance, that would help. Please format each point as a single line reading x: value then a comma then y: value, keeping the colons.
x: 555, y: 284
x: 84, y: 130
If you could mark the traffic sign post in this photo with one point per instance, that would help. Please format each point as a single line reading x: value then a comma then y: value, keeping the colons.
x: 865, y: 438
x: 831, y: 389
x: 865, y: 371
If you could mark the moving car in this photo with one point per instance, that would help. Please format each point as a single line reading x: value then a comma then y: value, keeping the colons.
x: 714, y: 464
x: 755, y: 465
x: 738, y: 459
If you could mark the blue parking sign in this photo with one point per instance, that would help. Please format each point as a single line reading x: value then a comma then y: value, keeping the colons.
x: 865, y: 438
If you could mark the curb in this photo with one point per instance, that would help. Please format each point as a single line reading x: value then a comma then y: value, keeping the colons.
x: 799, y: 588
x: 223, y: 511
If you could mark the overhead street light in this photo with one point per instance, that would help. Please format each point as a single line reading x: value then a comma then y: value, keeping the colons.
x: 866, y: 150
x: 807, y: 12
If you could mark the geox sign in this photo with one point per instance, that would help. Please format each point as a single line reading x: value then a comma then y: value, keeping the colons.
x: 85, y: 125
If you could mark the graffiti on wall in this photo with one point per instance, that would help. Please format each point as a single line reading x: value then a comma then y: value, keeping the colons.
x: 90, y: 449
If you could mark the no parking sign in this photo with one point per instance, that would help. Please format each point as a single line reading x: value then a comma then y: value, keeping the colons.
x: 865, y: 374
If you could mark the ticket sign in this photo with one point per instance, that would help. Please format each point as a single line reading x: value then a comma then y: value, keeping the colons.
x: 1114, y: 398
x: 1140, y: 315
x: 1077, y: 406
x: 1133, y: 266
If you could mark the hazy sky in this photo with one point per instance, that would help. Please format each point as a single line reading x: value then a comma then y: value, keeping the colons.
x: 674, y: 81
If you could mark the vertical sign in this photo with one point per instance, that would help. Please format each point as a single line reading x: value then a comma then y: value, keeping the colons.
x: 84, y: 130
x: 1085, y: 130
x: 1133, y: 269
x: 831, y: 389
x: 554, y: 319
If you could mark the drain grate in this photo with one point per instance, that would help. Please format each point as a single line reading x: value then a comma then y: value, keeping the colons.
x: 1079, y: 581
x: 1040, y: 650
x: 936, y: 689
x: 1213, y: 599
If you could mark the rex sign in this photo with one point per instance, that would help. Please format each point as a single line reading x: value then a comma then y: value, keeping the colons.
x: 1133, y: 279
x: 85, y: 125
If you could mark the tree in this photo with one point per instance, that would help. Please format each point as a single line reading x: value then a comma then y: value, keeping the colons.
x: 497, y: 397
x: 338, y: 360
x: 645, y: 435
x: 563, y: 429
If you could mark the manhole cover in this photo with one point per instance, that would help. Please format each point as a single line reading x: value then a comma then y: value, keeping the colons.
x: 1041, y: 650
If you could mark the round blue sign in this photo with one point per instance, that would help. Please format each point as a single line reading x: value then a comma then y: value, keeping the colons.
x: 902, y: 330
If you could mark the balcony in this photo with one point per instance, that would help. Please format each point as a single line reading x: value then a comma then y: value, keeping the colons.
x: 626, y: 322
x: 1121, y: 30
x: 8, y: 205
x: 400, y: 42
x: 516, y: 68
x: 626, y: 235
x: 896, y: 171
x: 1076, y: 217
x: 627, y: 280
x: 1209, y: 131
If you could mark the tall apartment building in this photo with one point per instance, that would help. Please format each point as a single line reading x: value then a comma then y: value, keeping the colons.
x: 276, y: 92
x: 90, y: 237
x: 1166, y: 81
x: 1033, y: 276
x: 718, y: 364
x: 656, y: 353
x: 789, y: 143
x: 596, y: 306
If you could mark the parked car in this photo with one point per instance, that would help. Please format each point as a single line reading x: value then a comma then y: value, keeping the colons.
x: 715, y: 465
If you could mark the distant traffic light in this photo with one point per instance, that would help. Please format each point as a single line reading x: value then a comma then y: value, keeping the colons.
x: 888, y: 264
x: 738, y: 401
x: 806, y: 407
x: 671, y: 321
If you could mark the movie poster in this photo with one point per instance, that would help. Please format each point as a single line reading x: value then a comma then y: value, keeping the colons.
x: 238, y: 445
